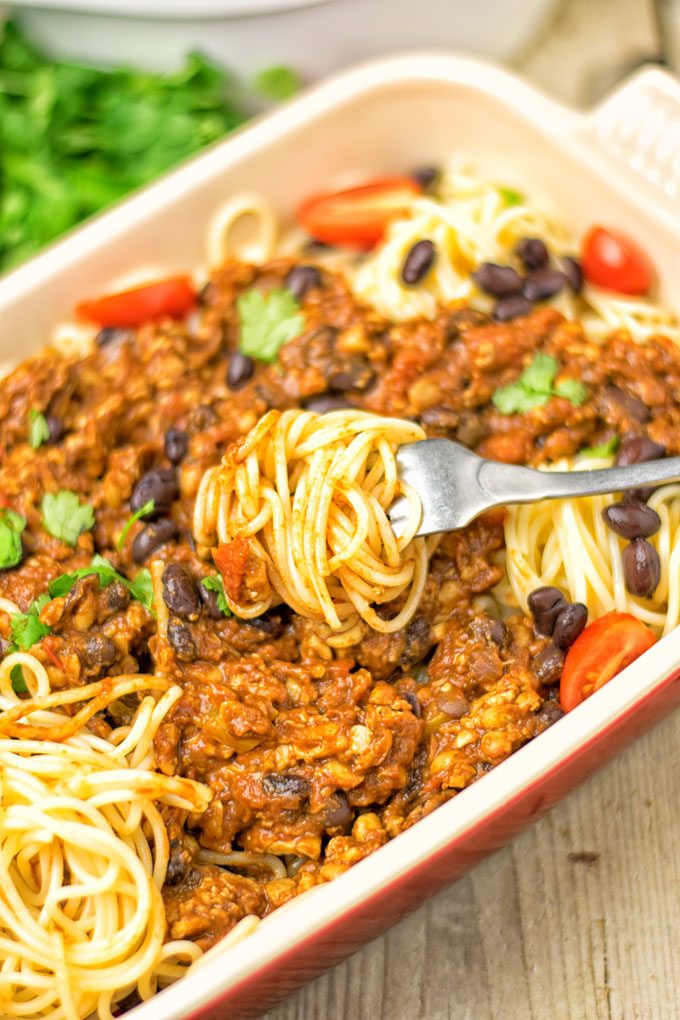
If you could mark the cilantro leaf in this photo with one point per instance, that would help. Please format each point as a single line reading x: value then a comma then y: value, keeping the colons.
x: 535, y: 387
x: 26, y: 628
x: 38, y: 429
x: 19, y: 685
x: 277, y: 83
x: 141, y: 588
x: 65, y: 517
x: 11, y: 549
x: 267, y: 322
x: 607, y: 449
x: 215, y: 583
x: 574, y: 391
x: 148, y: 508
x: 511, y: 197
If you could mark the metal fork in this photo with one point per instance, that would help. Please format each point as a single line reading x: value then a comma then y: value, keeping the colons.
x: 455, y: 485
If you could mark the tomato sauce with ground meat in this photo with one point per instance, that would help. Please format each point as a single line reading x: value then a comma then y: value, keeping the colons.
x: 312, y: 754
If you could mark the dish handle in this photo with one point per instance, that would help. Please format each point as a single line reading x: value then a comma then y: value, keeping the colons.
x: 638, y: 125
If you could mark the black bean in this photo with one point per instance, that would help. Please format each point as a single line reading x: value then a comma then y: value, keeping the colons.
x: 271, y: 625
x: 323, y: 404
x: 636, y: 449
x: 240, y: 370
x: 632, y: 520
x: 202, y: 418
x: 570, y: 621
x: 623, y: 405
x: 426, y: 176
x: 337, y: 811
x: 111, y: 335
x: 543, y: 284
x: 498, y: 281
x: 498, y: 633
x: 571, y: 268
x: 412, y: 699
x: 547, y: 665
x: 285, y: 784
x: 181, y: 640
x: 179, y: 862
x: 418, y: 262
x: 544, y: 604
x: 356, y: 375
x: 453, y: 705
x: 99, y: 652
x: 439, y: 417
x: 641, y: 568
x: 176, y: 445
x: 209, y: 599
x: 160, y: 485
x: 152, y: 537
x: 509, y: 308
x: 418, y: 641
x: 301, y: 279
x: 532, y: 253
x: 55, y: 426
x: 117, y: 597
x: 549, y: 713
x: 179, y: 592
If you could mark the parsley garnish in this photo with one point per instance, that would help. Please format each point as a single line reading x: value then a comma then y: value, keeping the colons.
x: 38, y: 429
x: 11, y: 526
x: 510, y: 196
x: 277, y: 83
x: 65, y: 517
x: 140, y: 587
x: 536, y: 386
x: 607, y: 449
x: 267, y: 321
x: 148, y: 508
x: 215, y: 583
x: 26, y: 628
x: 19, y: 684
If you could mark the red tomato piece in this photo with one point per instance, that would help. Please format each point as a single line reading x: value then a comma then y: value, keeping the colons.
x: 603, y: 649
x: 614, y: 262
x: 357, y: 217
x: 174, y: 297
x: 231, y: 560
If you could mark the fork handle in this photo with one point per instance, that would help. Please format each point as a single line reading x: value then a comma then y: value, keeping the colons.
x: 507, y: 484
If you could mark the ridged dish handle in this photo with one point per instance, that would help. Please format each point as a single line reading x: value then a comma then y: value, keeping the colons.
x: 639, y: 126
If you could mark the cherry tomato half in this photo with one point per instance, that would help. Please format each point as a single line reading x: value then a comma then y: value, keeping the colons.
x: 357, y: 218
x: 128, y: 309
x: 612, y: 261
x: 603, y: 649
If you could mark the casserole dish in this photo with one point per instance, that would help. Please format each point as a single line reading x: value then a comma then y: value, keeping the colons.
x: 406, y: 110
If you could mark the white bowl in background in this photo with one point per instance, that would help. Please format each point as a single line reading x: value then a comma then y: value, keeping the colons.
x: 312, y: 36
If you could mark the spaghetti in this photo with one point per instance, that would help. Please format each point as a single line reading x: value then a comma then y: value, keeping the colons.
x: 83, y: 848
x: 566, y: 543
x: 310, y: 493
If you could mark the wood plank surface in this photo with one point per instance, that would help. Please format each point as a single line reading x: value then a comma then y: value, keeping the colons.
x: 579, y: 918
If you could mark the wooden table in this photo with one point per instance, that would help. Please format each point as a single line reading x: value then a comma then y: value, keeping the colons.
x: 579, y: 918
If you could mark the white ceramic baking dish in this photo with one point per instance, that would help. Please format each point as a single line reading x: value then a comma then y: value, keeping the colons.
x: 620, y: 165
x: 313, y: 36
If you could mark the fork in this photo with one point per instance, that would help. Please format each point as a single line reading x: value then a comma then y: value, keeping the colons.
x: 456, y: 485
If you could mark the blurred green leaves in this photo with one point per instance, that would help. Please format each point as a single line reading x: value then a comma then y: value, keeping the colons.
x: 74, y: 139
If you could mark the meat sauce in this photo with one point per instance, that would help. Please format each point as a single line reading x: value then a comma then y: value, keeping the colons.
x: 314, y: 755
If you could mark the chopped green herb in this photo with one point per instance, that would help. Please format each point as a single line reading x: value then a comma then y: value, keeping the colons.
x: 11, y: 550
x: 277, y: 83
x: 536, y: 386
x: 267, y: 321
x: 26, y: 628
x: 38, y: 429
x: 148, y: 508
x: 215, y: 583
x: 65, y: 517
x: 511, y: 197
x: 574, y: 391
x: 140, y: 587
x: 19, y: 685
x: 607, y: 449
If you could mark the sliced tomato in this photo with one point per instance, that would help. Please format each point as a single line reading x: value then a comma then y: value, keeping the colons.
x: 603, y: 649
x: 174, y: 297
x: 357, y: 218
x: 231, y: 559
x: 612, y: 261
